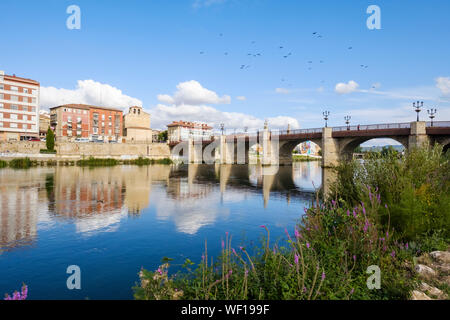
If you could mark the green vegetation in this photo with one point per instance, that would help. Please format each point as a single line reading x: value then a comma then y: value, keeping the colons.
x: 50, y: 140
x: 3, y: 164
x: 162, y: 136
x: 45, y: 151
x: 22, y: 163
x: 97, y: 162
x: 382, y: 212
x: 145, y: 161
x: 299, y: 158
x: 415, y: 187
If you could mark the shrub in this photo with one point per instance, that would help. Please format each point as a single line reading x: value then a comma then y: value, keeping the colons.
x: 3, y: 164
x: 21, y: 163
x: 96, y: 162
x: 50, y: 140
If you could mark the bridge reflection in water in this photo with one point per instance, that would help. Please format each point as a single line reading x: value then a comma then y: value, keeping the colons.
x: 98, y: 199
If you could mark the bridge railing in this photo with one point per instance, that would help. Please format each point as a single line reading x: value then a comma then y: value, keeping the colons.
x: 374, y: 127
x: 439, y: 124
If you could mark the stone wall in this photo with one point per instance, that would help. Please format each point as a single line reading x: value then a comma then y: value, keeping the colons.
x: 73, y: 150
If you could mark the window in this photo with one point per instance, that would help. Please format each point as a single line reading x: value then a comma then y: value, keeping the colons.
x: 84, y: 112
x: 33, y: 118
x: 69, y: 119
x: 1, y: 105
x: 33, y: 127
x: 103, y: 117
x: 78, y: 111
x: 14, y: 98
x: 2, y: 87
x: 78, y: 119
x: 16, y: 89
x: 13, y: 125
x: 109, y: 131
x: 14, y: 107
x: 1, y: 96
x: 33, y: 100
x: 25, y: 90
x: 1, y: 124
x: 33, y: 109
x: 13, y: 116
x: 34, y: 92
x: 139, y: 111
x: 69, y: 110
x: 25, y: 99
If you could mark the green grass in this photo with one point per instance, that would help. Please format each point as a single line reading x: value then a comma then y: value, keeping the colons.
x: 298, y: 158
x: 97, y: 162
x: 45, y: 151
x: 22, y: 163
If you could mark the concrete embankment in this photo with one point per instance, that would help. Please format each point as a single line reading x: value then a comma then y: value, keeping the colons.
x: 76, y: 151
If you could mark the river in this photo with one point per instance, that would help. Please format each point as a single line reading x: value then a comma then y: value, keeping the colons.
x: 111, y: 221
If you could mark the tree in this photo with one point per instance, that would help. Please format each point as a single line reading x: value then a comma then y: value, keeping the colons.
x: 50, y: 139
x: 162, y: 136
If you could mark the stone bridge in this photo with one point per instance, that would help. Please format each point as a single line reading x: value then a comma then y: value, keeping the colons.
x: 336, y: 143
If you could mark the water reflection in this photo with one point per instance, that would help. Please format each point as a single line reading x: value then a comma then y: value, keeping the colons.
x: 97, y: 200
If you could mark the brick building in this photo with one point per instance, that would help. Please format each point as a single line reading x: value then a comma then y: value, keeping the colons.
x: 72, y: 121
x: 19, y: 108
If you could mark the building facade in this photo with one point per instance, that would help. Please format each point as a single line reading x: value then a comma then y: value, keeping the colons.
x: 44, y: 123
x: 19, y: 108
x: 136, y: 125
x: 72, y: 121
x: 183, y: 131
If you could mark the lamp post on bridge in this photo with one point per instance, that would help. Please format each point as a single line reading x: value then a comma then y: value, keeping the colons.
x: 222, y: 127
x: 326, y: 114
x: 347, y: 121
x: 417, y: 108
x: 245, y: 129
x: 432, y: 113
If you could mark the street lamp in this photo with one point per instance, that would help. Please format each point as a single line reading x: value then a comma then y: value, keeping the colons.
x: 221, y: 127
x: 347, y: 121
x: 326, y: 114
x: 432, y: 113
x: 417, y: 108
x: 245, y: 129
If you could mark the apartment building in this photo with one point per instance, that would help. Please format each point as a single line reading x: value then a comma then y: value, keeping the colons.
x: 183, y: 131
x: 72, y: 121
x: 19, y: 108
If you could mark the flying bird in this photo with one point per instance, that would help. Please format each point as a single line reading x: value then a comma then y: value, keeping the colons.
x: 350, y: 48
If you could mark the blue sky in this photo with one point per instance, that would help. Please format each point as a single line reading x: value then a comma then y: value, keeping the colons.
x: 151, y: 52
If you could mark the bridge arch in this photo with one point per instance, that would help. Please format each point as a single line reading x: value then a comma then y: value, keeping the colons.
x: 287, y: 147
x: 348, y: 145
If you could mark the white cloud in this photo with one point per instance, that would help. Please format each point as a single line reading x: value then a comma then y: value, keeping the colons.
x: 162, y: 115
x: 193, y: 93
x: 282, y: 90
x: 241, y: 98
x: 87, y: 92
x: 345, y: 88
x: 443, y: 84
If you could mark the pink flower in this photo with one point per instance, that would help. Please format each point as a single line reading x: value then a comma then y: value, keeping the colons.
x: 296, y: 259
x: 307, y: 245
x: 323, y: 276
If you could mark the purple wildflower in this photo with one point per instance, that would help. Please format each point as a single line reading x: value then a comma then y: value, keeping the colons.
x: 354, y: 257
x: 296, y: 259
x: 323, y: 276
x: 406, y: 246
x: 307, y: 245
x: 353, y: 290
x: 393, y: 254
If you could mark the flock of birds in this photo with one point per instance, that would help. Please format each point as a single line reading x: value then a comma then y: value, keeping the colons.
x: 284, y: 55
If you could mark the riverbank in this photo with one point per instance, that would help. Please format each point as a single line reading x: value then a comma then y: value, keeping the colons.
x: 24, y: 163
x: 305, y: 158
x: 362, y: 243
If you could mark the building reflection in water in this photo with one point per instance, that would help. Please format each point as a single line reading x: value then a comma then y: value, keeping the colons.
x: 96, y: 200
x: 21, y: 203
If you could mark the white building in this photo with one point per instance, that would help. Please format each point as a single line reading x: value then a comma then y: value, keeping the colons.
x: 19, y: 108
x: 183, y: 131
